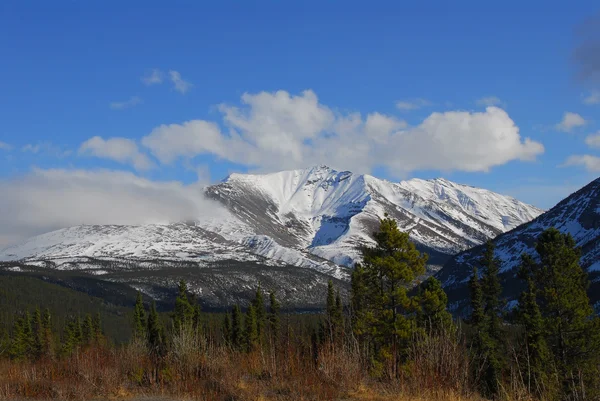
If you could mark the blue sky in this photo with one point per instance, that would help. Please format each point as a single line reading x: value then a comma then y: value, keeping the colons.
x: 187, y: 92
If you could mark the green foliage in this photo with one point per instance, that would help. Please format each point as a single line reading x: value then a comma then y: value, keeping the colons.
x: 139, y: 318
x: 566, y: 319
x: 536, y: 354
x: 236, y: 328
x: 155, y: 334
x: 432, y: 314
x: 227, y: 328
x: 334, y: 317
x: 261, y: 314
x: 380, y: 294
x: 184, y: 311
x: 486, y: 319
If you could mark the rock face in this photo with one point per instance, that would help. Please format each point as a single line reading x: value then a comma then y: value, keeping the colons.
x: 578, y: 215
x: 313, y: 219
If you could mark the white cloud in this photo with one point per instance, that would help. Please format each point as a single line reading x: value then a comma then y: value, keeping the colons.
x: 591, y: 163
x: 179, y: 84
x: 131, y: 102
x: 489, y: 101
x: 412, y: 104
x: 593, y: 140
x: 5, y: 146
x: 273, y: 131
x: 592, y: 98
x: 46, y: 148
x: 45, y: 200
x: 122, y: 150
x: 570, y: 121
x: 153, y: 77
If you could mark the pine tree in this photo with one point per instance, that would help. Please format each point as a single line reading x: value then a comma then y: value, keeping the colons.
x: 196, y: 318
x: 538, y: 358
x: 274, y: 319
x: 184, y: 311
x: 88, y: 330
x: 139, y: 318
x: 494, y: 333
x: 572, y: 329
x: 388, y: 270
x: 155, y: 335
x: 38, y: 329
x: 236, y: 328
x: 19, y: 342
x: 358, y: 303
x: 97, y: 327
x: 432, y: 314
x: 477, y: 315
x: 47, y: 337
x: 72, y: 336
x: 251, y: 329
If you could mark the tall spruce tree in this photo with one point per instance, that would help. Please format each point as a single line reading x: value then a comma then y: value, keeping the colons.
x: 88, y: 330
x: 47, y: 337
x: 38, y: 328
x: 493, y: 346
x: 236, y: 328
x: 536, y: 356
x: 184, y: 311
x: 572, y: 330
x: 139, y: 318
x: 432, y: 313
x: 387, y: 271
x: 155, y: 336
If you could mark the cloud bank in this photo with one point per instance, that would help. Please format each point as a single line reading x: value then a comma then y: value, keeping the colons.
x: 272, y: 131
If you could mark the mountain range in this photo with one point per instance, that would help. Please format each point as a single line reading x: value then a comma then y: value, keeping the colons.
x: 578, y: 215
x: 301, y: 226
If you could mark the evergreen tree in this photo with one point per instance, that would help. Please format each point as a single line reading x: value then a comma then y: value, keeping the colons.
x: 88, y: 330
x: 572, y: 330
x: 184, y: 311
x: 155, y: 335
x: 47, y: 337
x: 494, y: 333
x: 97, y: 327
x: 432, y: 314
x: 139, y: 318
x: 19, y: 341
x: 71, y: 336
x: 251, y: 329
x: 388, y: 269
x: 538, y: 358
x: 38, y: 346
x: 236, y: 328
x: 196, y: 319
x: 477, y: 315
x: 274, y: 319
x: 358, y: 302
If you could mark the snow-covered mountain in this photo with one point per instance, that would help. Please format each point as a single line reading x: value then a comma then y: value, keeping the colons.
x: 578, y: 215
x: 330, y: 213
x: 300, y: 217
x: 313, y: 219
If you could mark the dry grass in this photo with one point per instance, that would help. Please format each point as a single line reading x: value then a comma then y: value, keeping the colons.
x: 199, y: 370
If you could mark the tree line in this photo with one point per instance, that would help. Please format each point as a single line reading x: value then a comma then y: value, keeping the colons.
x: 386, y: 328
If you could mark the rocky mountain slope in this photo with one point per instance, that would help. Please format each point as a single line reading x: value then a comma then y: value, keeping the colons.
x: 578, y: 215
x: 312, y: 219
